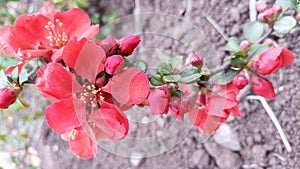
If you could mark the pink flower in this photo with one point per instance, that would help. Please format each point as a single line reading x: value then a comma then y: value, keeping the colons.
x: 128, y: 43
x: 45, y: 32
x: 82, y: 110
x: 262, y: 86
x: 114, y: 64
x: 7, y: 97
x: 273, y: 59
x: 158, y: 100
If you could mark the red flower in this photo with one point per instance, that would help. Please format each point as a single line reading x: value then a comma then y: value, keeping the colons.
x: 114, y: 64
x: 273, y: 59
x: 109, y: 45
x: 68, y: 114
x: 262, y: 86
x: 158, y: 100
x: 7, y: 97
x: 47, y: 31
x: 215, y: 108
x: 128, y: 43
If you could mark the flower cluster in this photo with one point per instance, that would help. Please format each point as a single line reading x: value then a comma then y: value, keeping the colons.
x: 90, y: 82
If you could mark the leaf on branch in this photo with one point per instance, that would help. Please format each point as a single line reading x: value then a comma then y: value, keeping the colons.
x: 253, y: 31
x: 285, y: 4
x: 285, y: 24
x: 175, y: 61
x: 257, y: 49
x: 233, y: 44
x: 156, y: 80
x: 227, y: 76
x: 142, y: 65
x: 3, y: 79
x: 164, y: 69
x: 172, y: 78
x: 189, y: 74
x: 28, y: 72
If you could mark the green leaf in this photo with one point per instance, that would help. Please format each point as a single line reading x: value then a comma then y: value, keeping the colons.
x: 175, y: 61
x: 26, y: 117
x: 253, y: 31
x: 156, y: 80
x: 227, y: 76
x: 233, y: 44
x: 3, y: 80
x: 285, y: 4
x: 164, y: 69
x: 2, y: 137
x: 285, y: 24
x: 37, y: 115
x: 142, y: 65
x: 178, y: 93
x: 257, y: 49
x: 238, y: 61
x: 28, y: 72
x: 189, y: 74
x: 172, y: 78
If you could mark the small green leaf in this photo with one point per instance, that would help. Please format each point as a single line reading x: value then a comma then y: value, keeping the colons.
x: 164, y: 69
x: 238, y: 61
x: 156, y: 80
x: 189, y: 74
x: 28, y: 72
x: 37, y: 115
x: 26, y: 117
x: 257, y: 49
x: 142, y: 65
x: 3, y: 80
x: 233, y: 44
x: 175, y: 61
x: 285, y: 24
x: 172, y: 78
x: 227, y: 76
x: 178, y: 93
x: 2, y: 137
x: 253, y: 31
x: 285, y: 4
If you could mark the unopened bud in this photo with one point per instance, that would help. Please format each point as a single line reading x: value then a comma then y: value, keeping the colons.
x: 254, y: 65
x: 240, y: 81
x: 262, y: 6
x: 269, y: 13
x: 7, y: 97
x: 101, y: 81
x: 277, y: 8
x: 128, y: 43
x: 261, y: 17
x: 297, y: 17
x: 114, y: 64
x: 197, y: 60
x: 173, y: 87
x: 245, y: 45
x: 268, y: 42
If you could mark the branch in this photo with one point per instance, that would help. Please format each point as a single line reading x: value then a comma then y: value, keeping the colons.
x: 220, y: 69
x: 265, y: 36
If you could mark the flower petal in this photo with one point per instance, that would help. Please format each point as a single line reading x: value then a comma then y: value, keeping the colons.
x: 56, y: 82
x: 65, y: 115
x: 85, y: 57
x: 287, y: 57
x: 270, y: 61
x: 48, y: 11
x: 262, y: 87
x: 83, y: 143
x: 158, y: 100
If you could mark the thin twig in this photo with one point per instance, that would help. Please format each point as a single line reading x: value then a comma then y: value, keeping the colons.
x: 220, y: 69
x: 274, y: 120
x: 217, y: 27
x: 265, y: 36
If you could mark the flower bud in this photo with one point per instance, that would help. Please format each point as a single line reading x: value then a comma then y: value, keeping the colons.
x: 7, y: 97
x: 254, y: 65
x: 277, y: 8
x: 269, y: 14
x: 114, y: 64
x: 261, y: 7
x: 240, y: 81
x: 297, y: 17
x: 128, y: 43
x: 101, y: 81
x: 197, y: 60
x: 261, y: 17
x: 109, y: 45
x: 268, y: 42
x: 245, y: 45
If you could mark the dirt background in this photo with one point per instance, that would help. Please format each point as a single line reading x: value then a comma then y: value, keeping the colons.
x: 261, y: 146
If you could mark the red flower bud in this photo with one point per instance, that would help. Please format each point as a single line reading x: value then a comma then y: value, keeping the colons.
x: 197, y: 60
x: 261, y: 17
x: 7, y: 97
x: 128, y: 43
x: 101, y: 81
x: 114, y: 64
x: 262, y: 86
x: 240, y: 81
x: 268, y: 42
x: 277, y: 8
x: 109, y: 45
x: 245, y: 45
x: 261, y: 7
x: 297, y: 17
x: 269, y: 13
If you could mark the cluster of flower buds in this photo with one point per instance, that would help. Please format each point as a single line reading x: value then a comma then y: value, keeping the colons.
x: 8, y: 96
x: 267, y: 14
